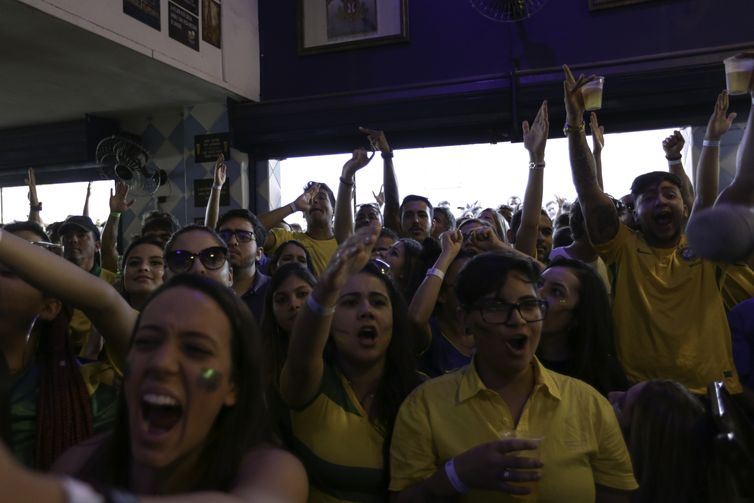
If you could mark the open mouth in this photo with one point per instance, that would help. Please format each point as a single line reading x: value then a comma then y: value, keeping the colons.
x: 161, y: 413
x: 367, y: 335
x: 517, y: 343
x: 663, y: 218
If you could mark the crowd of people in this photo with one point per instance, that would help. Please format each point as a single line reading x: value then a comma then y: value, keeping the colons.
x: 391, y: 353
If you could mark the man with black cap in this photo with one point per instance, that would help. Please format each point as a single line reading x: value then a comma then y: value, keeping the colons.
x: 81, y: 244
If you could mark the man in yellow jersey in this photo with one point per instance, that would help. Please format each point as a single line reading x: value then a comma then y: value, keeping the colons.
x: 670, y: 321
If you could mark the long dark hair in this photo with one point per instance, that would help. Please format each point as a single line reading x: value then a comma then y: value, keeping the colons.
x: 399, y: 377
x: 590, y: 336
x: 669, y: 439
x: 279, y: 253
x: 237, y: 428
x: 418, y: 257
x: 149, y: 239
x: 64, y: 408
x: 275, y: 342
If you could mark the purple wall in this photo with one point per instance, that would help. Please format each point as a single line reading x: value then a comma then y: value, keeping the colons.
x: 449, y: 40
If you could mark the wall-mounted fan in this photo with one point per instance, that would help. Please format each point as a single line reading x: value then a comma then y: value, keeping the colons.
x: 126, y: 160
x: 507, y: 11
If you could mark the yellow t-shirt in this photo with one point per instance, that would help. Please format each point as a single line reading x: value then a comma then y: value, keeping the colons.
x: 583, y: 445
x: 670, y: 322
x: 80, y: 327
x: 340, y: 447
x: 320, y: 250
x: 738, y: 285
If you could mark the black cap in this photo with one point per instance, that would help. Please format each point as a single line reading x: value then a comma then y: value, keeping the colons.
x: 80, y: 222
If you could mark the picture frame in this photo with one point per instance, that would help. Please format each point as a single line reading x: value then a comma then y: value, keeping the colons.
x: 609, y: 4
x: 339, y: 25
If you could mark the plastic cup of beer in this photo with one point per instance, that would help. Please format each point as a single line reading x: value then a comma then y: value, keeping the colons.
x: 535, y: 453
x: 738, y: 71
x: 592, y: 93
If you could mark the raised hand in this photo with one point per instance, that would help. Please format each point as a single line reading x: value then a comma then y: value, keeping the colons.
x: 119, y: 200
x: 485, y: 239
x: 377, y: 139
x: 673, y: 145
x: 720, y: 121
x: 358, y: 160
x: 220, y: 172
x: 535, y: 137
x: 350, y: 258
x: 598, y: 134
x: 574, y: 101
x: 451, y: 243
x: 304, y: 201
x: 380, y: 197
x: 31, y: 181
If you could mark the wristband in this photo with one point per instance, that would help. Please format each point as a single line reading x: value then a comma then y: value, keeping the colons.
x: 318, y: 308
x: 115, y: 214
x: 35, y: 207
x: 568, y: 129
x: 434, y: 271
x: 537, y: 165
x: 293, y: 208
x: 79, y: 492
x: 674, y: 162
x: 389, y: 155
x: 217, y: 187
x: 455, y: 481
x: 711, y: 143
x: 344, y: 182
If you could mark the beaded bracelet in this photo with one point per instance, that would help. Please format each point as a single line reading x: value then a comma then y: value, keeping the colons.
x: 536, y: 165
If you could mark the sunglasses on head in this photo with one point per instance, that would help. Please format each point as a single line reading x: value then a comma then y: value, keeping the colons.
x: 183, y: 260
x: 241, y: 235
x: 380, y: 266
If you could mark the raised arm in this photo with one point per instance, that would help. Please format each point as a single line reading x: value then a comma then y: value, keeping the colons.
x: 673, y: 145
x: 535, y: 140
x: 343, y: 226
x: 85, y: 211
x: 391, y: 216
x: 303, y: 368
x: 708, y: 168
x: 35, y: 207
x: 118, y: 204
x: 108, y: 311
x: 424, y: 300
x: 274, y: 217
x: 219, y: 175
x: 600, y: 215
x: 598, y: 143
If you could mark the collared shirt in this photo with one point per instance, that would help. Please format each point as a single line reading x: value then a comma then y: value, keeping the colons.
x: 254, y: 296
x: 582, y: 447
x: 670, y: 322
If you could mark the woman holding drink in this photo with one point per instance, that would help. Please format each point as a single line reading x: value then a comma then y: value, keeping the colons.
x: 472, y: 432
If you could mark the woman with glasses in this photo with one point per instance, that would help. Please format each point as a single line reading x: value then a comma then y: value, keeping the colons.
x: 465, y: 433
x: 349, y: 367
x: 192, y: 422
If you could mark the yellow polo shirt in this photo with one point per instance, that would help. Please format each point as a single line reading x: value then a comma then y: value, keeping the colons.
x: 449, y: 415
x: 320, y: 250
x: 670, y: 322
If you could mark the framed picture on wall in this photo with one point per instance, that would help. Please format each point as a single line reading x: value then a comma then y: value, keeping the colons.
x: 607, y: 4
x: 337, y: 25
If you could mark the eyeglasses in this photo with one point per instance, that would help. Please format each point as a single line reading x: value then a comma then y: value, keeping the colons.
x: 496, y: 312
x: 380, y: 266
x: 183, y: 260
x: 53, y: 247
x: 241, y: 235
